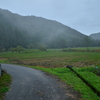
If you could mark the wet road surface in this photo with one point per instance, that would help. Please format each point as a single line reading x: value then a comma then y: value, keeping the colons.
x: 32, y: 84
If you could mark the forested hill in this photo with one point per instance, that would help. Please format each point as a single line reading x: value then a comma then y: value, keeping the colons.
x: 17, y: 30
x: 95, y: 36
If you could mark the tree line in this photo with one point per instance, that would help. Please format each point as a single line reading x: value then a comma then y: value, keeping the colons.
x: 13, y: 37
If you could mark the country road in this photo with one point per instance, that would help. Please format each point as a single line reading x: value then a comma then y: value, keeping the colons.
x: 32, y: 84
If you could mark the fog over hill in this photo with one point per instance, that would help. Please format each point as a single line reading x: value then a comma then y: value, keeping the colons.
x: 26, y: 30
x: 95, y: 36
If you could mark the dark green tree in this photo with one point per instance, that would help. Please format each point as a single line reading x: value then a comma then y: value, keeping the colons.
x: 87, y: 42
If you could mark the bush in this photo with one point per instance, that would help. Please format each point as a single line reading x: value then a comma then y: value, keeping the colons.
x: 42, y: 48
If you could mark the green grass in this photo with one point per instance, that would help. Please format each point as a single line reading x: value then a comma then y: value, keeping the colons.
x: 92, y: 79
x: 5, y: 80
x: 90, y: 75
x: 93, y: 69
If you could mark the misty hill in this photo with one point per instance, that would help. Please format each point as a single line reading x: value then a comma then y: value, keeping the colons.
x: 95, y: 36
x: 24, y: 30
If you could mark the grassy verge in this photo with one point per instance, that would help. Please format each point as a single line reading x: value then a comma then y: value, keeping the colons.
x: 5, y: 80
x: 93, y: 69
x: 70, y: 78
x: 91, y: 76
x: 92, y: 79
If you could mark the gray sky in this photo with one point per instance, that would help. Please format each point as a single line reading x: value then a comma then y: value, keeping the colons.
x: 82, y: 15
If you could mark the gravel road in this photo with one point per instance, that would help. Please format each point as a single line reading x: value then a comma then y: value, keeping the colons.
x: 32, y: 84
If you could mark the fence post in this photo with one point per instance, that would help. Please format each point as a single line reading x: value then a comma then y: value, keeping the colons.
x: 0, y: 70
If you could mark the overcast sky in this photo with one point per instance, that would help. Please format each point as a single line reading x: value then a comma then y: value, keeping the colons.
x: 82, y: 15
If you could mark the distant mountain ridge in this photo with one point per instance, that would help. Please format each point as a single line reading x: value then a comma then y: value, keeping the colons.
x: 95, y: 36
x: 38, y: 30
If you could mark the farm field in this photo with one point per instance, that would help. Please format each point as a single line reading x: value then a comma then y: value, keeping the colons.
x: 77, y: 57
x: 85, y: 62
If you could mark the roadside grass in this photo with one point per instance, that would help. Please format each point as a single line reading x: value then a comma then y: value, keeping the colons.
x: 91, y: 75
x: 70, y: 78
x: 93, y: 69
x: 3, y: 61
x: 92, y: 79
x: 5, y: 80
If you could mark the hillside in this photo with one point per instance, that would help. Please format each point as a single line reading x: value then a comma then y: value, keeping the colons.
x: 25, y: 30
x: 95, y: 36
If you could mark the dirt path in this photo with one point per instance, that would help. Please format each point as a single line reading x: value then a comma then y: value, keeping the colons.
x: 32, y: 84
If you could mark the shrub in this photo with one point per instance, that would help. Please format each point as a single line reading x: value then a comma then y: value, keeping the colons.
x: 42, y: 48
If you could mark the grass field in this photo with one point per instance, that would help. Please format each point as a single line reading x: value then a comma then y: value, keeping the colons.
x: 54, y: 62
x: 53, y: 58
